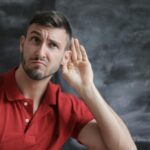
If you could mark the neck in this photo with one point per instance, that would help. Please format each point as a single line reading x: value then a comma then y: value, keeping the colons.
x: 33, y: 89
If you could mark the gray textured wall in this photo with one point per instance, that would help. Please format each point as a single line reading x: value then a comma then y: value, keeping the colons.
x: 116, y: 34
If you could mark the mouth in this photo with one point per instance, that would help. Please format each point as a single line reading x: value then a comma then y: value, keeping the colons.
x: 39, y: 62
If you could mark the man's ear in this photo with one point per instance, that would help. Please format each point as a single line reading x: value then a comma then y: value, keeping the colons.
x: 66, y: 57
x: 22, y: 39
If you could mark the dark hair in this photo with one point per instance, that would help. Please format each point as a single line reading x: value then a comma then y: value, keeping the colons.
x: 52, y: 19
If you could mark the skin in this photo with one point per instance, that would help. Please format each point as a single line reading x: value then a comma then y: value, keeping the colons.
x: 43, y: 52
x: 43, y: 48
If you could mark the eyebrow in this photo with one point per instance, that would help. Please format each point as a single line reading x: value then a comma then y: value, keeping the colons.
x: 35, y: 32
x: 51, y: 40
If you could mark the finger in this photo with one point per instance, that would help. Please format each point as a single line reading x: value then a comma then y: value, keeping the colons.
x: 78, y: 49
x: 84, y: 54
x: 74, y: 53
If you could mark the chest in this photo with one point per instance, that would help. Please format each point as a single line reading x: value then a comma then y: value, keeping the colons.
x: 20, y: 129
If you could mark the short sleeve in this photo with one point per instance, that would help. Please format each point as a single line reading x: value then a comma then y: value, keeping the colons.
x: 75, y: 114
x: 83, y: 116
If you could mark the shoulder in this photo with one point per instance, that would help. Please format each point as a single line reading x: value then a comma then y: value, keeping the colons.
x: 6, y: 77
x: 68, y: 98
x: 65, y: 101
x: 56, y: 89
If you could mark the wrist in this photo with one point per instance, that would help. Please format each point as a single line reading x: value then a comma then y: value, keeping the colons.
x: 86, y: 90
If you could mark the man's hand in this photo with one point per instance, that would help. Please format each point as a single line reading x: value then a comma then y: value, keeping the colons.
x: 108, y: 130
x: 77, y: 71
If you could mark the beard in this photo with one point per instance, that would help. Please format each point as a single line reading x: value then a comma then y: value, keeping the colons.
x: 35, y: 73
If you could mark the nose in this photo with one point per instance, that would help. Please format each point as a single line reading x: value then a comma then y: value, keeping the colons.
x: 41, y: 51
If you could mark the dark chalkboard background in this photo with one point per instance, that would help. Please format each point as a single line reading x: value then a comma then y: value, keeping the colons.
x: 116, y: 34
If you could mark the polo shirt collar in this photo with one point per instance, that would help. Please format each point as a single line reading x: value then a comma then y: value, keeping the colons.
x: 13, y: 93
x: 51, y: 94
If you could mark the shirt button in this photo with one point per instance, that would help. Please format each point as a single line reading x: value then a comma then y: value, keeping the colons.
x: 27, y: 120
x: 25, y: 103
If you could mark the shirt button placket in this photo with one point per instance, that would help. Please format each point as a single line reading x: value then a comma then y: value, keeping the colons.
x: 27, y: 120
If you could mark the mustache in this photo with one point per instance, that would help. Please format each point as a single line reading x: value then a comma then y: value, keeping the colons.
x: 35, y: 58
x: 38, y: 58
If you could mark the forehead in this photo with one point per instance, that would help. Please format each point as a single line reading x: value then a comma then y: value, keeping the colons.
x: 58, y: 34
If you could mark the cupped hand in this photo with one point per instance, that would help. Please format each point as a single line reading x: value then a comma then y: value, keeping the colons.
x: 77, y: 71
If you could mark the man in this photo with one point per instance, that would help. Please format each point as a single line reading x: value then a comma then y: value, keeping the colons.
x: 36, y: 114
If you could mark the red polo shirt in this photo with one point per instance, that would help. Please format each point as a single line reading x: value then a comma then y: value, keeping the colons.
x: 59, y: 116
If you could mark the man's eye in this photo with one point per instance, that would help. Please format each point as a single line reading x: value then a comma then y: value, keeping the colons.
x: 53, y: 45
x: 35, y: 40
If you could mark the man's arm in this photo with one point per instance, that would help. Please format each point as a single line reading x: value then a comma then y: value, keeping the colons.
x: 108, y: 125
x: 107, y: 131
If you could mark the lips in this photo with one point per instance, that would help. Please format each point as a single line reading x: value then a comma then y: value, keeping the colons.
x: 39, y: 62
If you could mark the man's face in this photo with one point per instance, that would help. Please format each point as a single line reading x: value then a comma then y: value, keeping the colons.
x: 42, y: 50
